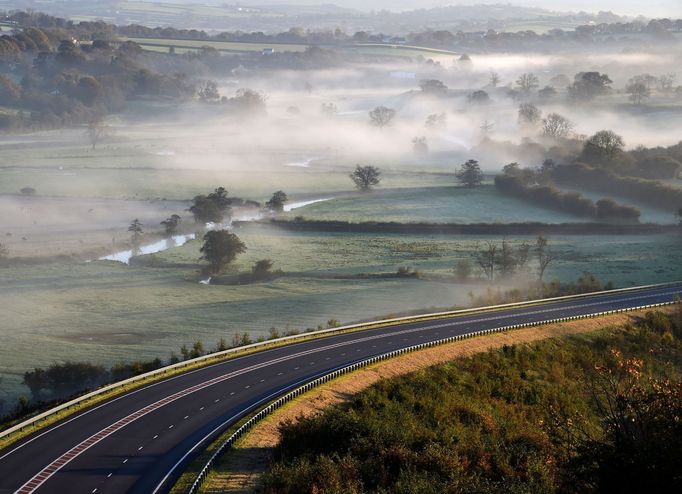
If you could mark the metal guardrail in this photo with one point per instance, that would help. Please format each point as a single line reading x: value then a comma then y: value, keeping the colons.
x: 219, y: 356
x: 243, y: 429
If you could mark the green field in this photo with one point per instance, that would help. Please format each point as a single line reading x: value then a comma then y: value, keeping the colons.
x: 227, y: 46
x: 108, y: 312
x: 433, y: 205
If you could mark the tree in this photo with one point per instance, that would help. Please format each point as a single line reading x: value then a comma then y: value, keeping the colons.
x: 462, y: 270
x: 420, y: 145
x: 211, y: 208
x: 170, y: 225
x: 208, y: 92
x: 527, y: 82
x: 604, y: 145
x: 544, y: 256
x: 277, y: 201
x: 262, y: 269
x: 220, y: 249
x: 638, y: 91
x: 470, y: 174
x: 4, y: 252
x: 556, y: 126
x: 433, y: 86
x: 679, y: 216
x: 329, y: 109
x: 666, y: 82
x: 136, y: 234
x: 381, y: 116
x: 479, y: 97
x: 436, y: 120
x: 96, y: 131
x: 486, y: 259
x: 27, y: 191
x: 494, y: 79
x: 365, y: 177
x: 588, y: 85
x: 529, y: 114
x: 547, y: 93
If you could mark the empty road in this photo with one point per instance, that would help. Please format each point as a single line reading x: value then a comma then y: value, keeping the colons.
x: 133, y: 442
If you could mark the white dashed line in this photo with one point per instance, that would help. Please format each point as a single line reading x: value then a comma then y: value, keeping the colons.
x: 140, y: 448
x: 186, y: 417
x: 110, y: 474
x: 231, y: 393
x: 170, y: 426
x: 155, y: 436
x: 201, y: 408
x: 125, y: 461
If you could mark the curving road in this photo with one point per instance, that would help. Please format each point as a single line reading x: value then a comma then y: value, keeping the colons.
x: 139, y: 441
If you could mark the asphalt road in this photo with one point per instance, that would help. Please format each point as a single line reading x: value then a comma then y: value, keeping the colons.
x: 132, y: 442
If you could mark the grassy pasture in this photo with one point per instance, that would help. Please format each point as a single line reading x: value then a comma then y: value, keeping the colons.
x: 108, y: 312
x: 450, y: 204
x: 227, y: 46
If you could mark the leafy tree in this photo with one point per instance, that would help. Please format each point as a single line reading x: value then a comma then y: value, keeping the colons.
x: 588, y: 85
x: 433, y: 86
x: 381, y: 116
x: 4, y: 252
x: 277, y: 201
x: 136, y: 234
x: 365, y: 177
x: 547, y: 93
x: 604, y: 145
x: 556, y: 126
x: 170, y: 225
x: 211, y: 208
x: 27, y: 191
x: 470, y: 174
x: 436, y: 120
x: 527, y: 82
x: 220, y: 249
x: 679, y: 216
x: 638, y: 91
x: 479, y: 97
x: 208, y: 92
x: 262, y: 269
x: 529, y: 114
x: 420, y: 145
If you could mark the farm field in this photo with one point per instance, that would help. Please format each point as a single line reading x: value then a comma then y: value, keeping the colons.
x: 109, y: 312
x: 226, y: 46
x: 434, y: 205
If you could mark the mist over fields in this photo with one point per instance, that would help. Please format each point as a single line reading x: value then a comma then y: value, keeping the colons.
x: 109, y: 132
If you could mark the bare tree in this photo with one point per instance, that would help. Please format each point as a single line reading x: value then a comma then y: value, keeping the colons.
x: 557, y: 126
x: 96, y: 131
x: 381, y: 116
x: 638, y: 91
x: 544, y: 256
x: 666, y: 82
x: 529, y: 114
x: 487, y: 259
x: 527, y: 82
x: 494, y: 79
